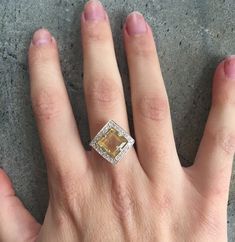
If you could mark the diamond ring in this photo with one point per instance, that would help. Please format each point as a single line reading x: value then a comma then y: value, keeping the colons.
x: 112, y: 142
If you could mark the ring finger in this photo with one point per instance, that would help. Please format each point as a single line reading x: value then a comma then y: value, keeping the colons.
x: 151, y: 110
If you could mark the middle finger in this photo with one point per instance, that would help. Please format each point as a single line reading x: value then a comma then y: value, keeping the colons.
x: 102, y: 82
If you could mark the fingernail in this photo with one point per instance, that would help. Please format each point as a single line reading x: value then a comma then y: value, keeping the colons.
x: 229, y: 67
x: 136, y: 24
x: 41, y: 37
x: 94, y: 11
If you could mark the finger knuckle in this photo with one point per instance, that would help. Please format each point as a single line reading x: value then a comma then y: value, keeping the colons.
x: 43, y: 56
x: 159, y: 152
x: 210, y: 221
x: 224, y: 98
x: 143, y: 48
x: 103, y: 91
x: 96, y: 33
x: 71, y: 194
x: 122, y: 199
x: 153, y: 107
x: 68, y: 191
x: 63, y: 219
x: 46, y: 104
x: 165, y: 203
x: 224, y: 139
x: 163, y: 196
x: 219, y: 191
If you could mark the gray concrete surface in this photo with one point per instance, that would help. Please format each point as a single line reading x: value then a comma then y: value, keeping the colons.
x: 193, y: 36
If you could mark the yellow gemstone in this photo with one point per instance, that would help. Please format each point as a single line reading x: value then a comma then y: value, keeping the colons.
x: 112, y: 143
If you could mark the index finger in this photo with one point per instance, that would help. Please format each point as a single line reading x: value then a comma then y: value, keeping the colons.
x: 56, y: 123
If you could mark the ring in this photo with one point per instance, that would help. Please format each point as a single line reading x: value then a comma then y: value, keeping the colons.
x: 112, y: 142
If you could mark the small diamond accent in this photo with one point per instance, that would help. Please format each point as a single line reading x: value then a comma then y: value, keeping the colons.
x: 112, y: 142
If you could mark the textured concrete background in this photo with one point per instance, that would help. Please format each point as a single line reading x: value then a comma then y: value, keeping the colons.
x: 193, y: 36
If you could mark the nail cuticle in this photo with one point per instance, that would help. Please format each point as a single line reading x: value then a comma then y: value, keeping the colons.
x: 94, y: 11
x: 136, y: 24
x: 229, y: 67
x: 41, y: 37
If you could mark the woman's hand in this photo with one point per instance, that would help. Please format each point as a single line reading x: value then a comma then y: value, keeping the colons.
x: 147, y: 196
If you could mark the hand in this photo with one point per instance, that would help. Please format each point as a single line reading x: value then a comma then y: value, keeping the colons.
x: 147, y: 196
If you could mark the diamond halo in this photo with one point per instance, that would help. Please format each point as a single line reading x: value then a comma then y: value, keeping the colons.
x: 112, y: 142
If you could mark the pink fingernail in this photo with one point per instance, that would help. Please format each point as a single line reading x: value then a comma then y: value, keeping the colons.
x: 136, y: 24
x: 42, y: 37
x: 94, y: 11
x: 229, y: 67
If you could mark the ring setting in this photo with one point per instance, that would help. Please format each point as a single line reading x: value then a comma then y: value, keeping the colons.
x: 112, y: 142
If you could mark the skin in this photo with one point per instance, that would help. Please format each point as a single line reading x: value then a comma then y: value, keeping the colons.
x: 147, y: 196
